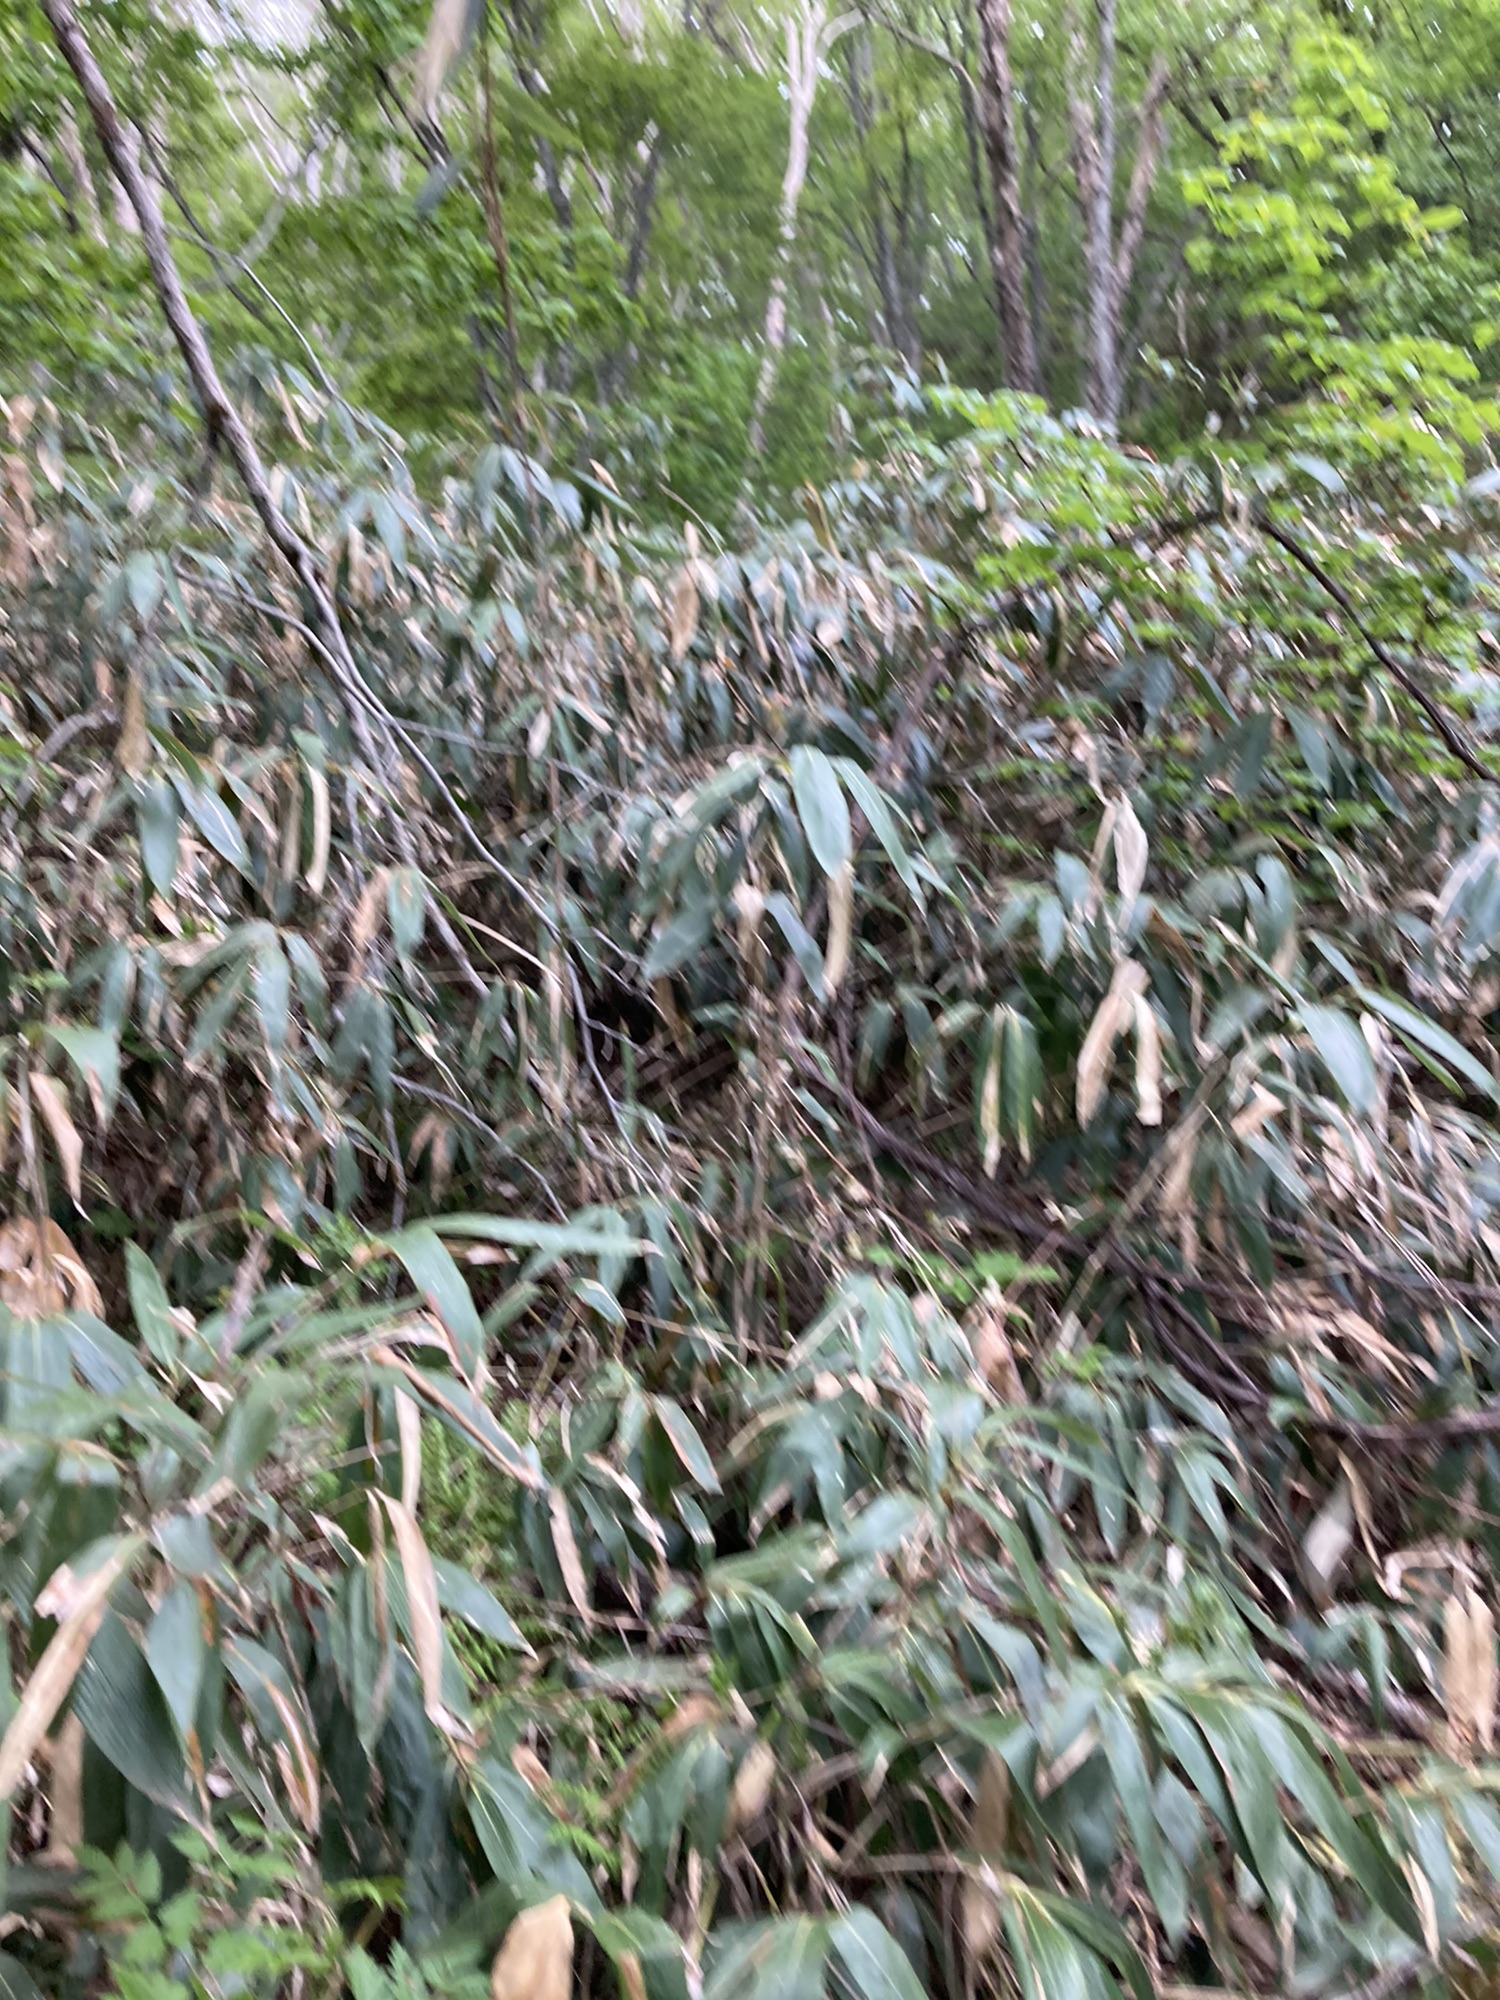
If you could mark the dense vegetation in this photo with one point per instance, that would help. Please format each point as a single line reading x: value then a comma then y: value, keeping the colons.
x: 749, y: 956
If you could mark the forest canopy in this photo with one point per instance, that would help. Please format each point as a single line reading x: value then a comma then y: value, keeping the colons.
x: 749, y: 968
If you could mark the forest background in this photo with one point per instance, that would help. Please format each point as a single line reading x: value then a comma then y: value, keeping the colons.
x: 749, y: 955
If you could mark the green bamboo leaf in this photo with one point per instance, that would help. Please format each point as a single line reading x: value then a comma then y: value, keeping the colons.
x: 686, y: 1442
x: 456, y: 1406
x: 874, y: 1964
x: 1023, y: 1081
x: 797, y: 935
x: 822, y: 808
x: 126, y: 1717
x: 16, y: 1983
x: 1345, y: 1054
x: 406, y: 902
x: 782, y: 1960
x: 176, y: 1654
x: 271, y: 984
x: 1048, y: 1962
x: 95, y: 1055
x: 1132, y: 1779
x: 1408, y: 1021
x: 463, y: 1596
x: 430, y: 1266
x: 154, y: 1317
x: 683, y: 938
x: 215, y: 822
x: 876, y: 808
x: 157, y: 818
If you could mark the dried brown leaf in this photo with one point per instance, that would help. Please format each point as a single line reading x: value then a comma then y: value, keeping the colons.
x: 987, y: 1837
x: 840, y: 925
x: 439, y: 52
x: 535, y: 1959
x: 994, y: 1356
x: 1096, y: 1057
x: 424, y: 1612
x: 752, y: 1787
x: 65, y: 1797
x: 565, y: 1543
x: 683, y: 620
x: 322, y: 831
x: 53, y: 1106
x: 1132, y: 852
x: 57, y: 1669
x: 409, y: 1430
x: 1147, y: 1063
x: 1484, y: 1672
x: 135, y: 745
x: 989, y: 1100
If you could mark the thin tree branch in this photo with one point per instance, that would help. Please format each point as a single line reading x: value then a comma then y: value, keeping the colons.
x: 1442, y: 723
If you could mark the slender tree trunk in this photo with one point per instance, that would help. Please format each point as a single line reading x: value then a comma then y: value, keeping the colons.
x: 804, y: 37
x: 1007, y: 244
x: 895, y: 320
x: 1109, y: 262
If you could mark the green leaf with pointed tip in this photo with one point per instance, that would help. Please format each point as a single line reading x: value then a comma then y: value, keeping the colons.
x: 1436, y: 1040
x: 157, y: 818
x: 406, y: 902
x: 95, y: 1055
x: 216, y: 823
x: 176, y: 1654
x: 430, y: 1266
x: 125, y: 1716
x: 797, y: 935
x: 1048, y: 1961
x: 271, y: 983
x: 16, y: 1983
x: 876, y: 808
x: 463, y: 1596
x: 783, y: 1960
x: 875, y: 1965
x: 1345, y: 1054
x: 683, y: 938
x: 686, y: 1442
x: 1132, y: 1780
x: 152, y: 1308
x: 822, y: 808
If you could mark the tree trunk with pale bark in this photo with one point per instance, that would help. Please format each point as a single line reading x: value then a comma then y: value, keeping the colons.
x: 1109, y: 254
